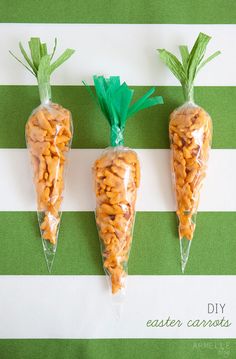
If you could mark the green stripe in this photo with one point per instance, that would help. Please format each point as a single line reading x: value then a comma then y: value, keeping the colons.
x: 155, y: 246
x: 118, y: 348
x: 112, y: 11
x: 149, y: 128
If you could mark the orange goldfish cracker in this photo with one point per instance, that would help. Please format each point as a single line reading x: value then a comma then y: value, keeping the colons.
x: 48, y: 159
x: 189, y: 161
x: 115, y: 209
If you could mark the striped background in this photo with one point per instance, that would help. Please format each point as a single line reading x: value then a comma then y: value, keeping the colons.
x: 127, y: 50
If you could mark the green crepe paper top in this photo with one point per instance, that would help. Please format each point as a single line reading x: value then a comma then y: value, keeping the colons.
x: 115, y: 99
x: 192, y: 62
x: 40, y: 64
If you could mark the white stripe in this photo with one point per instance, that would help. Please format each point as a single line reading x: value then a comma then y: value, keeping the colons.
x: 125, y: 50
x: 155, y: 193
x: 80, y: 306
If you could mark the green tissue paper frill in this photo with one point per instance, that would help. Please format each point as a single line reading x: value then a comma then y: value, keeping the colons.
x: 114, y: 100
x: 39, y: 64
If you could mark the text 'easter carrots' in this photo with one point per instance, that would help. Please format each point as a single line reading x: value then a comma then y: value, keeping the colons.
x: 190, y: 132
x: 48, y: 134
x: 117, y: 177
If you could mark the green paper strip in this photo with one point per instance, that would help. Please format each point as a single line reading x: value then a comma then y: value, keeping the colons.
x: 155, y: 248
x: 148, y: 130
x: 112, y: 11
x: 192, y: 62
x: 39, y: 64
x: 115, y: 99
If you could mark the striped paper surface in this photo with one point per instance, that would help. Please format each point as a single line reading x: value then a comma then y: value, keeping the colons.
x: 69, y: 314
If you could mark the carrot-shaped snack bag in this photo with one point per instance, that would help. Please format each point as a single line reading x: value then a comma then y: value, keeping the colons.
x: 190, y: 131
x: 48, y: 135
x: 116, y: 177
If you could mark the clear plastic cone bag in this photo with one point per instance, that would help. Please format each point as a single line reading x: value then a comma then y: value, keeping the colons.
x: 48, y: 135
x: 116, y: 178
x: 190, y: 131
